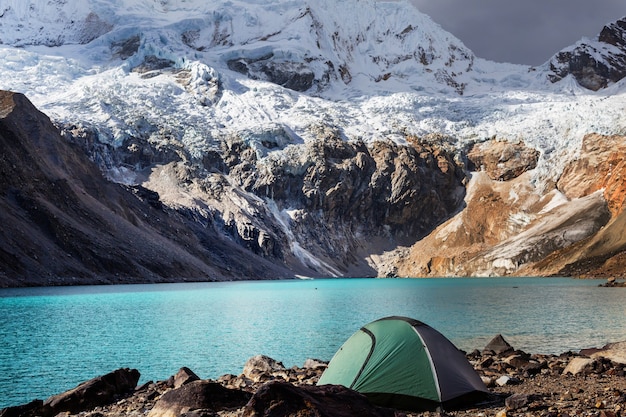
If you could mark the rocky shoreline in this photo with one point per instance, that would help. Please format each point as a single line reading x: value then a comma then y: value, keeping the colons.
x: 613, y: 282
x: 591, y: 382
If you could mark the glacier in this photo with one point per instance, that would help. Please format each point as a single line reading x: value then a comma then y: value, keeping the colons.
x: 73, y: 81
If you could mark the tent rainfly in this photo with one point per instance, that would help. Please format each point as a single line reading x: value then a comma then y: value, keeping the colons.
x: 403, y: 363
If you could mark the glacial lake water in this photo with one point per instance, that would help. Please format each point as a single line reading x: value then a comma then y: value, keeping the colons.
x: 51, y: 339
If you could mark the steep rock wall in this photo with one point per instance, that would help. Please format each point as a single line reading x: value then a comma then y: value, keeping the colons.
x: 63, y: 223
x: 508, y: 222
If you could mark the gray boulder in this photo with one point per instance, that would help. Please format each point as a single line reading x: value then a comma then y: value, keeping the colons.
x: 499, y: 346
x: 260, y: 366
x: 183, y: 377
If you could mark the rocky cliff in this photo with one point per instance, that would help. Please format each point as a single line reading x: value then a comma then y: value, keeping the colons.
x: 234, y: 214
x: 510, y: 226
x: 64, y: 223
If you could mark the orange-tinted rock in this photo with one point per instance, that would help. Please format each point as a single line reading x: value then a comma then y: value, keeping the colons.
x: 503, y: 160
x: 600, y: 166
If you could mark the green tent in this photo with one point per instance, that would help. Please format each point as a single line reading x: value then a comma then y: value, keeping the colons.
x: 403, y: 363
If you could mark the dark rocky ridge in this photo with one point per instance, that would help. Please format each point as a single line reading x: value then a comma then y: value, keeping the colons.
x: 63, y: 223
x: 375, y: 189
x: 594, y: 65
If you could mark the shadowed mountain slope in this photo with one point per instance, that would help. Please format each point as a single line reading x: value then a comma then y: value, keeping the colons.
x: 63, y: 223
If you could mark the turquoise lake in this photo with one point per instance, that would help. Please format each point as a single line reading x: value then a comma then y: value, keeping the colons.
x: 51, y: 339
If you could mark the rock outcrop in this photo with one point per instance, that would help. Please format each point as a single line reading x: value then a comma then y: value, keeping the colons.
x: 263, y: 206
x: 321, y: 210
x: 502, y: 160
x: 510, y: 226
x: 594, y: 64
x: 348, y: 198
x: 505, y: 226
x: 600, y: 166
x: 308, y: 206
x: 599, y: 170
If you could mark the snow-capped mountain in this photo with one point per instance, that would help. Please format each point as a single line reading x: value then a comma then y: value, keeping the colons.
x: 267, y: 40
x: 594, y: 64
x: 320, y: 134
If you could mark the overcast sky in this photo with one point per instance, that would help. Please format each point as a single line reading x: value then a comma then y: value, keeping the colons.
x: 522, y: 31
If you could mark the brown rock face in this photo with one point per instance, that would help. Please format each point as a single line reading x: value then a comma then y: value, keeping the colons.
x: 479, y: 241
x: 601, y: 166
x: 503, y: 160
x: 508, y: 227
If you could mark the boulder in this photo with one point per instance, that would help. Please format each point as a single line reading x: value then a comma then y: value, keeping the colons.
x: 499, y: 346
x: 486, y: 362
x: 578, y: 365
x: 197, y: 396
x: 503, y: 160
x: 314, y: 364
x: 32, y: 409
x: 183, y: 377
x: 261, y: 366
x: 517, y: 361
x: 516, y: 401
x: 615, y: 352
x: 96, y: 392
x: 507, y: 380
x: 534, y: 367
x: 279, y: 399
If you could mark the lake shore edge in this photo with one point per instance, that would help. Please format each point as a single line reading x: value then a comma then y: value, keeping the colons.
x: 591, y: 382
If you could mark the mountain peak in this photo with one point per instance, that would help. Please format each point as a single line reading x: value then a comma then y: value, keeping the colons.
x: 614, y: 33
x: 594, y: 63
x: 276, y: 41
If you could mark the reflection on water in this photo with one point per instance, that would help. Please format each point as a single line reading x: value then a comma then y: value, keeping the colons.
x: 54, y: 338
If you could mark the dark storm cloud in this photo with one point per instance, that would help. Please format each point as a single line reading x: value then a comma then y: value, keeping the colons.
x: 522, y: 31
